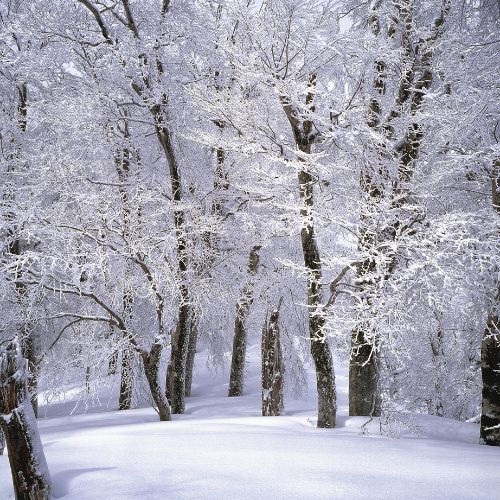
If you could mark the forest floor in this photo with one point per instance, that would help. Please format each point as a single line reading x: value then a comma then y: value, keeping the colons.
x: 223, y: 449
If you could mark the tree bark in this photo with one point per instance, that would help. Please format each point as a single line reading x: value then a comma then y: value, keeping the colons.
x: 364, y: 365
x: 181, y: 338
x: 2, y: 441
x: 490, y: 349
x: 113, y: 363
x: 304, y: 135
x: 30, y: 350
x: 272, y: 367
x: 490, y: 371
x: 151, y: 363
x: 127, y: 371
x: 126, y: 380
x: 240, y: 327
x: 177, y: 370
x: 29, y: 469
x: 320, y: 350
x: 193, y: 341
x: 122, y: 165
x: 364, y: 396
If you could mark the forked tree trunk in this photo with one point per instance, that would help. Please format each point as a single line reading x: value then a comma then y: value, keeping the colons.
x: 364, y: 397
x: 490, y: 350
x: 240, y: 327
x: 272, y: 367
x: 30, y: 474
x: 180, y: 341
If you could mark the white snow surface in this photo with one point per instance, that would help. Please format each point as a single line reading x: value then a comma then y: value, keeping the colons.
x: 223, y: 449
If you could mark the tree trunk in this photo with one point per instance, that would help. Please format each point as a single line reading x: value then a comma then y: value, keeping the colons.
x: 376, y: 182
x: 127, y: 366
x: 490, y: 349
x: 272, y: 367
x: 240, y: 327
x: 30, y: 474
x: 30, y: 350
x: 320, y: 350
x: 436, y: 403
x: 364, y: 365
x: 193, y: 341
x: 490, y: 371
x: 2, y: 441
x: 177, y: 371
x: 113, y: 363
x: 181, y: 338
x: 27, y: 335
x: 364, y: 397
x: 122, y: 165
x: 304, y: 135
x: 126, y: 379
x: 151, y: 363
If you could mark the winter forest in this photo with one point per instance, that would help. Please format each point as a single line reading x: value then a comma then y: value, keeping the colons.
x: 249, y: 249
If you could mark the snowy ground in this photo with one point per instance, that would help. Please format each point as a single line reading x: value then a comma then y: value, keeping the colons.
x: 223, y: 449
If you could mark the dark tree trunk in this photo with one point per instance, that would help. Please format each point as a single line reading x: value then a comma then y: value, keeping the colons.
x: 113, y: 363
x: 193, y: 341
x: 29, y: 469
x: 181, y: 337
x: 436, y: 403
x: 127, y: 367
x: 26, y: 333
x: 364, y: 396
x: 126, y: 379
x: 272, y: 367
x: 122, y: 165
x: 304, y: 135
x: 490, y: 371
x: 240, y: 327
x: 320, y: 350
x: 169, y: 380
x: 364, y: 365
x: 177, y: 370
x: 490, y: 349
x: 364, y: 361
x: 30, y: 350
x: 151, y: 363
